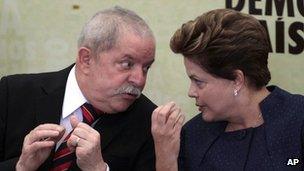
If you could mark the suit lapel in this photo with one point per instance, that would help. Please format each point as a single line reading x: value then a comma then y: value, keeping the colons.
x: 204, y: 141
x: 49, y: 104
x: 109, y: 126
x: 274, y: 117
x: 49, y: 107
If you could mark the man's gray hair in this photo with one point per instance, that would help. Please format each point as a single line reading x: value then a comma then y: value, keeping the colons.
x: 102, y: 31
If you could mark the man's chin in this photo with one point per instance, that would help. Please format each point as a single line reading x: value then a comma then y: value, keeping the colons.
x: 122, y: 106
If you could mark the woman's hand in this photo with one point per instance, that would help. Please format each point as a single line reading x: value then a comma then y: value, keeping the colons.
x: 167, y: 121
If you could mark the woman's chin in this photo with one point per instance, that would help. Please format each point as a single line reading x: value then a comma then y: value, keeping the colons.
x: 206, y: 118
x: 209, y: 118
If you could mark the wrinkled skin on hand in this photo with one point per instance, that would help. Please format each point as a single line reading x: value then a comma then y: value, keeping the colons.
x: 37, y: 146
x: 87, y: 149
x: 167, y: 121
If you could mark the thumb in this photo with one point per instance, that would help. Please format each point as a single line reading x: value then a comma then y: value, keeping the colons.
x: 74, y: 121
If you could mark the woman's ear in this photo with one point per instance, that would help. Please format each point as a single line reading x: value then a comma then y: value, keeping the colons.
x: 84, y: 59
x: 239, y: 80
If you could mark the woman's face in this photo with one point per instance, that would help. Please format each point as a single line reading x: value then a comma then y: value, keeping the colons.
x: 214, y: 96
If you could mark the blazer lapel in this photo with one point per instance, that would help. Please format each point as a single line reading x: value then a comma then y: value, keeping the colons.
x: 210, y: 133
x: 276, y: 131
x: 109, y: 126
x: 49, y: 107
x: 48, y: 110
x: 49, y: 104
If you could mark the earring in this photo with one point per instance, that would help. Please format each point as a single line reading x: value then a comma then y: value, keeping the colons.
x: 235, y: 92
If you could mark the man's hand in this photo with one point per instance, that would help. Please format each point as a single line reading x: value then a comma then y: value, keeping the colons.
x: 86, y: 142
x: 167, y: 122
x: 37, y: 146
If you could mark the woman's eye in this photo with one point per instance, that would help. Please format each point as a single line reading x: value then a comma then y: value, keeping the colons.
x: 198, y: 82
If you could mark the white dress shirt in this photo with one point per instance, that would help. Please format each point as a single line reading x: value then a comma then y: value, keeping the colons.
x: 73, y: 100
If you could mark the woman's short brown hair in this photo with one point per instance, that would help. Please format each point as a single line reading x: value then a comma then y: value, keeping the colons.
x: 224, y: 40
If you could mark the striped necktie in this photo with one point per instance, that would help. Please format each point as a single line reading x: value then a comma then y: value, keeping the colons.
x: 63, y: 157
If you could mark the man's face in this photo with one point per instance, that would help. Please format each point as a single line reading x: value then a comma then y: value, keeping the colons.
x: 117, y: 76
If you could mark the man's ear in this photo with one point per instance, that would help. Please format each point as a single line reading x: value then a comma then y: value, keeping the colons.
x: 239, y: 80
x: 84, y: 59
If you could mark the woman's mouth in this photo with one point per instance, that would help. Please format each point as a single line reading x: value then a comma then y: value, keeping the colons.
x: 201, y: 108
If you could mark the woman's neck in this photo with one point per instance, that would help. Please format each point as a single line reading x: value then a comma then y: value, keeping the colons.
x: 248, y: 113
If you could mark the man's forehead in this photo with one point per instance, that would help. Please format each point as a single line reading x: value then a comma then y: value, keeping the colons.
x: 130, y: 33
x: 146, y: 60
x: 137, y: 45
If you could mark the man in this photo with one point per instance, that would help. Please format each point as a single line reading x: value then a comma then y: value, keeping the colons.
x: 40, y: 113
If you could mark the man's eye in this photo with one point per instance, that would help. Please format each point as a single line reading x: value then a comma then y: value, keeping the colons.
x: 126, y: 64
x: 145, y: 69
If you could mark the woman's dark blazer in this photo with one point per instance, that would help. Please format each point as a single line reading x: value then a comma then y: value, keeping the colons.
x: 283, y: 115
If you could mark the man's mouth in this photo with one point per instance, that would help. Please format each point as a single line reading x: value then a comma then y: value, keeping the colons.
x: 130, y: 96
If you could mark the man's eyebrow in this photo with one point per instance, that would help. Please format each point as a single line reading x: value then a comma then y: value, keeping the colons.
x: 128, y: 57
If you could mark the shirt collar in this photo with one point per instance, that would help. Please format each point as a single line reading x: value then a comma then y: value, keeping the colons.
x: 73, y: 97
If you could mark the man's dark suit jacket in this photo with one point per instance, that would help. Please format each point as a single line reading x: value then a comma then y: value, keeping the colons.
x: 32, y: 99
x: 283, y: 115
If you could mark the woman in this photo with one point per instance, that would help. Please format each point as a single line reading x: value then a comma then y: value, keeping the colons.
x: 243, y: 125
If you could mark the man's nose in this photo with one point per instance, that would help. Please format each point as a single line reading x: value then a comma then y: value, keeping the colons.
x: 138, y: 77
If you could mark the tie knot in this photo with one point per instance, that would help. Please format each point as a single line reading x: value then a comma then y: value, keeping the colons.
x: 90, y: 114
